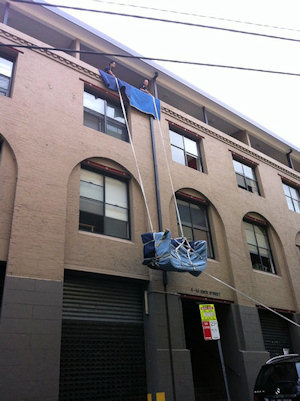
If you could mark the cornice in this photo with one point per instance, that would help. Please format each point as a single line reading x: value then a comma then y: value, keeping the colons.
x: 227, y: 141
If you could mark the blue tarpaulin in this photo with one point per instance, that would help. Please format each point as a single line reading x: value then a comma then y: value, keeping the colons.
x: 137, y: 98
x: 164, y: 253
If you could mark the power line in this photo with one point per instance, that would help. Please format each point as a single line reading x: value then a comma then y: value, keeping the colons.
x: 157, y: 20
x: 198, y: 15
x: 33, y: 47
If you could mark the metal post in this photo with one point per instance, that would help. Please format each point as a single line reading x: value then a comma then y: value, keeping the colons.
x: 160, y: 227
x: 223, y: 369
x: 290, y: 161
x: 5, y: 16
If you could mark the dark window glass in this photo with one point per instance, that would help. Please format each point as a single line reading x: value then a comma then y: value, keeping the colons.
x: 185, y: 151
x: 273, y: 375
x: 103, y: 205
x: 195, y: 223
x: 105, y: 116
x: 259, y: 247
x: 292, y: 198
x: 6, y: 70
x: 245, y: 177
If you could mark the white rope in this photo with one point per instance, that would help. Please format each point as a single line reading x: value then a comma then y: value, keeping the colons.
x: 251, y: 299
x: 168, y: 168
x: 134, y: 155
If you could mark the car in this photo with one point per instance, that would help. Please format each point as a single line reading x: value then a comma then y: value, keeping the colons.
x: 279, y: 379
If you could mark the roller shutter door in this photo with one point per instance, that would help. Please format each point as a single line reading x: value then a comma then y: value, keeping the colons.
x: 102, y: 348
x: 275, y: 332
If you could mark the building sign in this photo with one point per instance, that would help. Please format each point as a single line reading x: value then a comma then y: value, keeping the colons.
x: 209, y: 322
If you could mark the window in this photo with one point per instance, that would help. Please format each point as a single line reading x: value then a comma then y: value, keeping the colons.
x: 103, y: 204
x: 245, y: 177
x: 6, y: 70
x: 185, y: 150
x: 105, y: 116
x: 259, y: 247
x: 195, y: 223
x: 292, y: 198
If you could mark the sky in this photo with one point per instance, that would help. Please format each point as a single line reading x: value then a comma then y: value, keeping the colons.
x: 271, y: 100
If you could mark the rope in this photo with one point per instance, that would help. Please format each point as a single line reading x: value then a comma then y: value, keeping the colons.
x: 134, y: 155
x: 168, y: 168
x: 251, y: 299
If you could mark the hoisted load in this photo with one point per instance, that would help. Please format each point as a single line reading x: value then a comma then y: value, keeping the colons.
x: 174, y: 254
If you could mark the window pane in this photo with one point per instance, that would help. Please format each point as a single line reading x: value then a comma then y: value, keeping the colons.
x: 190, y: 146
x: 249, y: 173
x: 6, y: 67
x: 92, y: 102
x: 255, y: 261
x: 91, y: 191
x: 116, y: 228
x: 286, y: 189
x: 250, y: 234
x: 4, y: 83
x: 238, y: 168
x: 115, y: 130
x: 192, y: 162
x: 116, y: 212
x: 240, y: 181
x: 200, y: 235
x: 91, y: 206
x: 296, y: 206
x: 90, y: 222
x: 198, y: 216
x: 115, y: 112
x: 252, y: 185
x: 253, y: 249
x: 266, y: 264
x: 184, y: 212
x: 91, y: 121
x: 176, y: 139
x: 91, y: 176
x: 264, y: 252
x: 178, y: 155
x: 188, y: 233
x: 290, y: 203
x: 115, y: 192
x: 294, y: 193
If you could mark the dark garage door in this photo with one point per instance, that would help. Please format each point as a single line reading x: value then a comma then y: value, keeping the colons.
x: 102, y: 349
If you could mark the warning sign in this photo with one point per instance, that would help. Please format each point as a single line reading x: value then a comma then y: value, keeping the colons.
x: 209, y: 322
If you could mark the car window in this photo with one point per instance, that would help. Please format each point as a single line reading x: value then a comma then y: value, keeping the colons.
x: 271, y: 375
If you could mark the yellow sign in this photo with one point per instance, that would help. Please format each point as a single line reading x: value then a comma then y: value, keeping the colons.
x: 207, y: 312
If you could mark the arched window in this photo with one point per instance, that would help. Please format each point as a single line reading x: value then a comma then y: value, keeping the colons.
x: 104, y: 204
x: 194, y: 218
x: 258, y: 244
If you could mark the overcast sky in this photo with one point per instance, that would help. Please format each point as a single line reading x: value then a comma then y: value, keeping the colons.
x: 271, y: 100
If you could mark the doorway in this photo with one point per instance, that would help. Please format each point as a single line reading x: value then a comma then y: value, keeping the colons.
x: 206, y: 365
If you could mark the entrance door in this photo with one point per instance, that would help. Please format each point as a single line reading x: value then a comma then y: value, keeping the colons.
x: 206, y: 365
x: 102, y: 346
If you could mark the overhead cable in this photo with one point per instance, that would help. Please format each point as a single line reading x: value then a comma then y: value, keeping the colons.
x: 32, y: 47
x: 157, y: 20
x: 197, y: 15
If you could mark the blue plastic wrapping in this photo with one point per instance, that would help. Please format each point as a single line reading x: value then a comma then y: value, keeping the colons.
x: 174, y: 254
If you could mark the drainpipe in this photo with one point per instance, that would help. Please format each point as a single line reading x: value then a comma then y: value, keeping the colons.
x: 289, y: 159
x: 205, y: 115
x: 158, y: 204
x: 5, y: 15
x: 160, y: 227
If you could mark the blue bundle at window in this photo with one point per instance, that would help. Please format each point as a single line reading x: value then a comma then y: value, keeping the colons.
x: 174, y: 254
